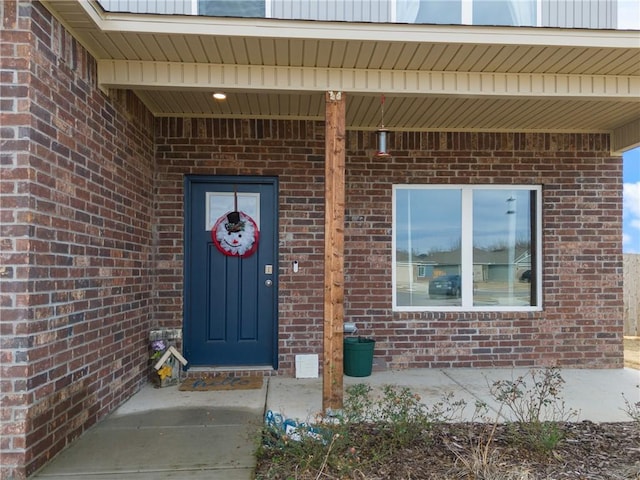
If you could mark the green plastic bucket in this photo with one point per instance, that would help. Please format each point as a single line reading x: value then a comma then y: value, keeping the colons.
x: 358, y: 356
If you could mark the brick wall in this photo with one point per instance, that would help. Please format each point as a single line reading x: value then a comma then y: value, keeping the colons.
x: 293, y: 151
x: 581, y: 325
x: 76, y: 212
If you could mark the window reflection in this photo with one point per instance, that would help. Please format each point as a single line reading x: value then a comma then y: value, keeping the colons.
x: 504, y: 12
x: 237, y: 8
x: 501, y: 247
x: 485, y: 12
x: 428, y: 238
x: 445, y: 12
x: 466, y: 246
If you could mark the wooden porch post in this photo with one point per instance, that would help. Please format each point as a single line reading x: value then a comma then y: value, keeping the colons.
x: 332, y: 394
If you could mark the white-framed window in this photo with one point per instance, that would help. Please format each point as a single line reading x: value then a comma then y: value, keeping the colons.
x: 468, y: 12
x: 237, y: 8
x: 467, y: 248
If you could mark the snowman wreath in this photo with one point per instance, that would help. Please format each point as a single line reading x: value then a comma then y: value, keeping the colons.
x: 236, y: 234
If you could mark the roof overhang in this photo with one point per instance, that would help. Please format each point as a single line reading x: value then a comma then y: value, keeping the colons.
x: 433, y: 77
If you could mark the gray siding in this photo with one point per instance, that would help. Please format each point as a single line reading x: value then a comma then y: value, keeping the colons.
x: 333, y: 10
x: 580, y: 13
x: 167, y: 7
x: 554, y: 13
x: 329, y: 10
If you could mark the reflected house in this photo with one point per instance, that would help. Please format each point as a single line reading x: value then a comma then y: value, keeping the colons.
x: 488, y: 266
x: 117, y: 163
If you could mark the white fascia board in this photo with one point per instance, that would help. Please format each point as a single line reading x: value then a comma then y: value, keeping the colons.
x: 386, y: 32
x: 172, y: 75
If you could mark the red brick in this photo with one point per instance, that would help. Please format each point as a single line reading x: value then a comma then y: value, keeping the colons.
x: 53, y: 183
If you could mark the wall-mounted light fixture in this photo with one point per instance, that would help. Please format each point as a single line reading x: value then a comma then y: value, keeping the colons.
x: 382, y: 133
x: 219, y: 95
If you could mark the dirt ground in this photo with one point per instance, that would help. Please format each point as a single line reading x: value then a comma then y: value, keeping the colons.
x: 463, y: 451
x: 632, y: 352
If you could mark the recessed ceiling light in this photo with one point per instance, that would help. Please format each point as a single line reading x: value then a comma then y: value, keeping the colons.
x: 219, y: 95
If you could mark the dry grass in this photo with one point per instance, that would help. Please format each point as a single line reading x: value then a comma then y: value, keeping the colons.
x: 632, y: 352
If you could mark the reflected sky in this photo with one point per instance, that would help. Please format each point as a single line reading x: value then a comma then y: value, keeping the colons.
x: 434, y: 218
x: 493, y: 212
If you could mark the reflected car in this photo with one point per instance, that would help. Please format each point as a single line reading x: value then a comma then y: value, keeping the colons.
x: 446, y: 285
x: 526, y: 276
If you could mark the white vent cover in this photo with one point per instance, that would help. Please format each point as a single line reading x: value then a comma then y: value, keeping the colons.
x: 307, y: 366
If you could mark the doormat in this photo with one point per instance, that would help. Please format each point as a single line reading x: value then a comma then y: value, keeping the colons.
x: 220, y: 382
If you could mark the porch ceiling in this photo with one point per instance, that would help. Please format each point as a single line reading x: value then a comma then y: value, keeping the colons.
x: 433, y: 77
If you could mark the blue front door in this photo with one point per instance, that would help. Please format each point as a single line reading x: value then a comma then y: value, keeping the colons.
x: 230, y: 300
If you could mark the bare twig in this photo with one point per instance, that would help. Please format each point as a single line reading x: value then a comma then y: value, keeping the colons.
x: 326, y: 457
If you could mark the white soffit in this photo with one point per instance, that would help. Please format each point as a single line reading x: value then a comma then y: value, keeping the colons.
x: 438, y: 77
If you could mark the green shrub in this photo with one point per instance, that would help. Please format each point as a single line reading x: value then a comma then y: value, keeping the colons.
x: 384, y: 424
x: 536, y: 407
x: 632, y: 409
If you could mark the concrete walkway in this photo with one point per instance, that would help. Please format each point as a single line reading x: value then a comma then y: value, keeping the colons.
x: 596, y: 395
x: 168, y: 434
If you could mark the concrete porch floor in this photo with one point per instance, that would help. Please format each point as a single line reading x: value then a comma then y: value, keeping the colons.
x: 168, y: 434
x: 163, y: 433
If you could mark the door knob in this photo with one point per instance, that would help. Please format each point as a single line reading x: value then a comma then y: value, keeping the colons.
x: 268, y: 282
